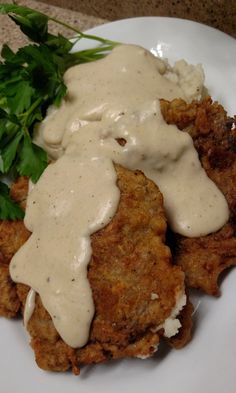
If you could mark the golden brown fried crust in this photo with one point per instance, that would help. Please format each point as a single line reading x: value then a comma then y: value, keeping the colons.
x: 19, y: 190
x: 50, y: 351
x: 214, y: 136
x: 204, y: 258
x: 13, y: 235
x: 185, y: 333
x: 124, y: 313
x: 129, y: 263
x: 9, y: 301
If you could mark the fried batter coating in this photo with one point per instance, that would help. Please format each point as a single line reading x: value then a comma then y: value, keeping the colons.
x: 130, y: 263
x: 214, y: 137
x: 13, y: 235
x: 185, y: 333
x: 19, y: 191
x: 9, y: 301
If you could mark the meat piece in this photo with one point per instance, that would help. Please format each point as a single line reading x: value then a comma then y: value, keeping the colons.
x: 50, y: 350
x: 214, y: 136
x: 185, y: 333
x: 204, y: 258
x: 9, y: 301
x: 19, y: 191
x: 130, y: 264
x: 12, y: 235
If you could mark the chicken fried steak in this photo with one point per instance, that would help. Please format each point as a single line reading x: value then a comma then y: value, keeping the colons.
x: 134, y: 285
x: 214, y: 137
x: 133, y: 281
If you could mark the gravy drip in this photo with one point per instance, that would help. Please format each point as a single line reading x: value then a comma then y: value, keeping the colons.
x: 115, y: 99
x: 63, y: 209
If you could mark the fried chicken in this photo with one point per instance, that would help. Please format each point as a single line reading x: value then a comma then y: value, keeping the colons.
x: 214, y: 137
x: 129, y: 264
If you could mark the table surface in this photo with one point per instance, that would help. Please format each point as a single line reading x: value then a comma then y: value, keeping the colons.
x: 9, y: 33
x: 220, y: 14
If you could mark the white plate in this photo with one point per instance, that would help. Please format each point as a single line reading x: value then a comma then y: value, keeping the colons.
x: 207, y: 364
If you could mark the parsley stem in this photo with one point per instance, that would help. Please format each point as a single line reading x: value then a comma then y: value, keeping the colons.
x: 26, y: 114
x: 84, y: 35
x: 30, y: 110
x: 34, y: 105
x: 87, y: 55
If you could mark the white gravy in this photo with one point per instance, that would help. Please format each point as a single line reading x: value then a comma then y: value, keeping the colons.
x: 128, y: 77
x: 117, y: 97
x: 193, y: 203
x: 63, y: 209
x: 29, y: 306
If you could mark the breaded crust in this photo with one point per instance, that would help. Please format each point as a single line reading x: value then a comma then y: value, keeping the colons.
x: 125, y: 315
x: 130, y: 263
x: 13, y: 235
x: 9, y: 300
x: 185, y: 333
x: 19, y: 190
x: 214, y: 137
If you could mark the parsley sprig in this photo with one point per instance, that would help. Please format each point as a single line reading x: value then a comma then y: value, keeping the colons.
x: 30, y: 80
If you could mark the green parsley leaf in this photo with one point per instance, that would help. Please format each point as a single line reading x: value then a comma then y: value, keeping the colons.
x: 32, y: 160
x: 30, y: 81
x: 7, y: 53
x: 59, y: 44
x: 9, y: 152
x: 32, y: 23
x: 9, y: 210
x: 8, y: 128
x: 19, y: 96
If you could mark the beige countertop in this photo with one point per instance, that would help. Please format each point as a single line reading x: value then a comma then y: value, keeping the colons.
x: 9, y: 32
x: 218, y: 13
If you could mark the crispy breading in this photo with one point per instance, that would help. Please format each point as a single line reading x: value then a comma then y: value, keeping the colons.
x: 9, y: 301
x: 185, y: 333
x: 130, y: 263
x: 122, y: 284
x: 19, y: 190
x: 13, y: 235
x: 214, y: 137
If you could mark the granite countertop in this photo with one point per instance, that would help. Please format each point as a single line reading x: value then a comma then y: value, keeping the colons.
x: 9, y: 32
x: 223, y: 19
x: 220, y: 14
